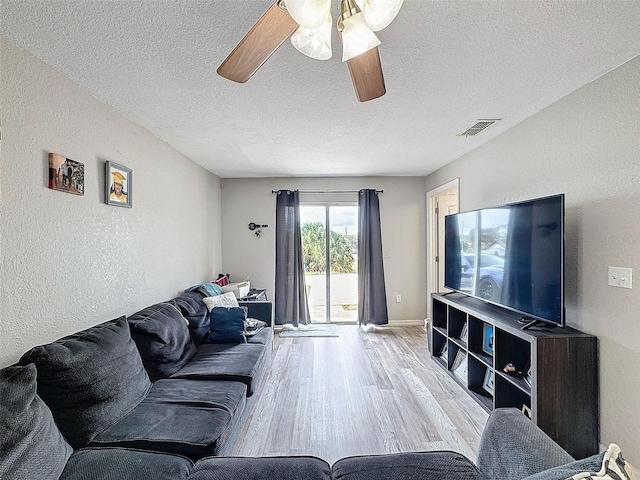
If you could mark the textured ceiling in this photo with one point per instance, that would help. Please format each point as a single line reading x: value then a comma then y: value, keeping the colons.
x: 446, y: 64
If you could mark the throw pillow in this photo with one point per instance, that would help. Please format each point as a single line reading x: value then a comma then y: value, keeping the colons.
x: 90, y: 380
x: 195, y: 312
x: 253, y: 326
x: 225, y: 300
x: 31, y: 446
x: 226, y: 325
x: 608, y: 465
x: 163, y: 339
x: 614, y: 467
x: 209, y: 289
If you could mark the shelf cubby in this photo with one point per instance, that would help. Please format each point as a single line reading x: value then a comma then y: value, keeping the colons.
x: 510, y: 395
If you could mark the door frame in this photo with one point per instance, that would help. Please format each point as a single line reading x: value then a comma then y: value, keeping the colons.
x: 432, y: 235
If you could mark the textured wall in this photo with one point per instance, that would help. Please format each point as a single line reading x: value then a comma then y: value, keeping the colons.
x: 587, y: 147
x: 70, y: 261
x: 402, y: 217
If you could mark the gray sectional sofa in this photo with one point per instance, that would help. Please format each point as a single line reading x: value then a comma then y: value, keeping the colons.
x: 144, y: 398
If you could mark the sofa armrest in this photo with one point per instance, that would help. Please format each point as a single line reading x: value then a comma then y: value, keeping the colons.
x: 261, y: 310
x: 513, y: 447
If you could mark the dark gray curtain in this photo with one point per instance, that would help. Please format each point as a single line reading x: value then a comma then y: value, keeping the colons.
x: 290, y: 295
x: 372, y: 295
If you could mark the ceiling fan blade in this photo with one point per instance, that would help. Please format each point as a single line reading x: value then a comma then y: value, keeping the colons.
x: 275, y: 26
x: 366, y: 75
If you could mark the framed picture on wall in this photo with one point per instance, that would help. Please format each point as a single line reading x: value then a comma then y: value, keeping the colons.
x: 66, y: 175
x: 118, y: 185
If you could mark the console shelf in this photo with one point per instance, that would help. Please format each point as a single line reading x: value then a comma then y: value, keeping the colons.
x: 474, y: 341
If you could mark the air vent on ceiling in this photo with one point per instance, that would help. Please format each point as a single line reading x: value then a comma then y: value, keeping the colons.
x: 478, y: 127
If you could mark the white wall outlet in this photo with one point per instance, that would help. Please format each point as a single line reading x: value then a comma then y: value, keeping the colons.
x: 620, y: 277
x: 398, y: 298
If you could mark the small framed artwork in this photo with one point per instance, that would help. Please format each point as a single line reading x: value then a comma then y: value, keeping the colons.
x: 527, y: 376
x: 487, y: 339
x: 464, y: 334
x: 444, y: 353
x: 488, y: 381
x: 459, y: 367
x: 118, y: 185
x: 66, y: 175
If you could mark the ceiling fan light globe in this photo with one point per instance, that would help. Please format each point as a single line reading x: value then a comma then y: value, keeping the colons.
x: 308, y: 13
x: 378, y: 14
x: 357, y: 38
x: 314, y: 42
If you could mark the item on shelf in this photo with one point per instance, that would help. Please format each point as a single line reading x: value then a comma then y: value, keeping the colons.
x: 239, y: 289
x: 464, y: 334
x: 459, y: 367
x: 444, y: 352
x: 487, y: 339
x: 255, y: 294
x: 526, y: 410
x: 488, y: 381
x: 509, y: 368
x: 527, y: 377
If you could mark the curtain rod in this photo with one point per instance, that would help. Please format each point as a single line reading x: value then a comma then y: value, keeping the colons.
x: 328, y: 191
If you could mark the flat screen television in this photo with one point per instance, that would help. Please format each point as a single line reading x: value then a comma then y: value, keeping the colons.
x: 511, y: 256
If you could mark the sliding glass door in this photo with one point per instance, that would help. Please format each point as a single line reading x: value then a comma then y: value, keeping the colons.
x: 329, y: 243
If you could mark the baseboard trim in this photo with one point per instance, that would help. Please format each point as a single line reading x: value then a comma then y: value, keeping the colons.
x: 406, y: 323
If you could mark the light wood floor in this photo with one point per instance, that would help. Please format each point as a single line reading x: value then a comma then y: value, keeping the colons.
x: 369, y: 391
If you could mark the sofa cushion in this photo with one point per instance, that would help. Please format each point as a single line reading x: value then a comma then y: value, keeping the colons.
x: 608, y: 465
x: 91, y: 379
x: 266, y: 468
x: 163, y: 339
x: 244, y: 362
x: 441, y: 465
x: 226, y: 325
x: 195, y: 312
x: 31, y: 446
x: 123, y: 463
x: 186, y: 417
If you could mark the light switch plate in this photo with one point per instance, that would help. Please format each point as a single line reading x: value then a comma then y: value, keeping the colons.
x: 620, y: 277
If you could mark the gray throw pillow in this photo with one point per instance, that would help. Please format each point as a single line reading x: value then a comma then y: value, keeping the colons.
x: 195, y: 312
x: 608, y: 465
x: 163, y: 339
x: 90, y: 380
x: 567, y: 470
x: 31, y: 446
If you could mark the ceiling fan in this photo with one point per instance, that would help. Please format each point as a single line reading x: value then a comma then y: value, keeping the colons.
x: 308, y: 23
